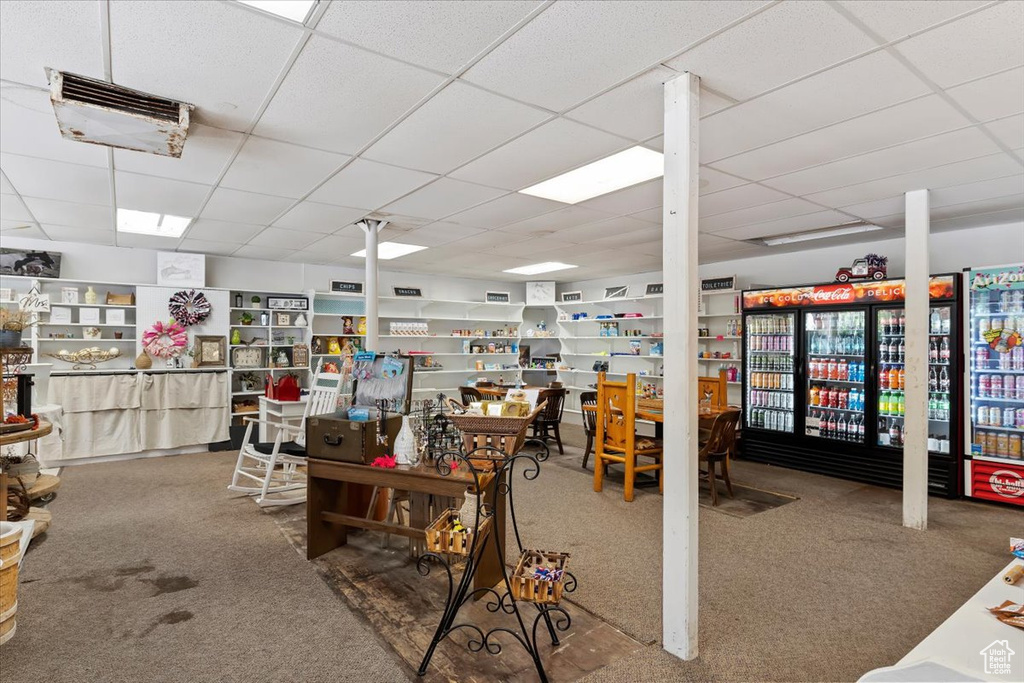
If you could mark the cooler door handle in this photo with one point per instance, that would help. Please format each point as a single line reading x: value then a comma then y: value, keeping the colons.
x: 336, y: 441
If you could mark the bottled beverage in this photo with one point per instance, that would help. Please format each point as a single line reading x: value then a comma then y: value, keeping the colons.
x: 895, y: 434
x: 944, y: 380
x: 843, y: 369
x: 883, y: 377
x: 933, y: 380
x: 933, y: 351
x: 944, y: 350
x: 899, y: 404
x: 944, y: 408
x: 883, y: 402
x: 933, y: 407
x: 815, y: 395
x: 901, y: 351
x: 894, y: 377
x: 901, y: 323
x: 789, y: 422
x: 935, y: 322
x: 844, y: 399
x: 883, y: 352
x: 833, y: 369
x: 841, y: 428
x: 945, y: 320
x: 901, y: 379
x: 894, y: 352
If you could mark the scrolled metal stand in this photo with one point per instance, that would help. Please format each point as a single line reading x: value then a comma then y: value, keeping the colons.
x: 555, y: 618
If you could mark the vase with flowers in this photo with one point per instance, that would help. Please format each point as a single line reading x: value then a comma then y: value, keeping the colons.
x: 12, y: 325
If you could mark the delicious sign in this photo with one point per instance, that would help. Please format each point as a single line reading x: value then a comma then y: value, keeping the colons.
x: 886, y: 291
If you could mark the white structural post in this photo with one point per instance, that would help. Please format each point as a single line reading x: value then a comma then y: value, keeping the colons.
x: 371, y: 228
x: 915, y: 397
x: 679, y: 265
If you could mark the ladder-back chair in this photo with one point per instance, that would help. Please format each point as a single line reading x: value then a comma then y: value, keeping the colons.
x: 617, y: 440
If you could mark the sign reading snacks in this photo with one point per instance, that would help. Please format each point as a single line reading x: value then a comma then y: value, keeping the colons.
x: 718, y: 284
x: 616, y: 292
x: 655, y: 289
x: 295, y: 303
x: 498, y: 297
x: 407, y: 291
x: 343, y: 287
x: 572, y: 296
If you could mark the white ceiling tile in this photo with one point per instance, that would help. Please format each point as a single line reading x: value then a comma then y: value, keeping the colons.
x: 489, y: 239
x: 993, y: 188
x: 993, y: 97
x: 5, y: 186
x: 978, y: 45
x: 30, y: 128
x: 208, y: 230
x: 438, y: 35
x: 158, y: 49
x: 459, y: 123
x: 712, y: 181
x: 504, y: 210
x: 12, y: 209
x: 893, y: 126
x: 736, y: 198
x: 71, y: 215
x: 369, y: 185
x: 316, y: 217
x: 576, y: 49
x: 862, y: 85
x: 650, y: 215
x: 441, y: 198
x: 128, y: 239
x: 611, y: 227
x: 969, y: 208
x: 895, y: 20
x: 628, y: 239
x: 657, y: 144
x: 791, y: 39
x: 336, y: 246
x: 977, y: 220
x: 635, y: 109
x: 204, y: 247
x: 556, y: 220
x: 262, y: 253
x: 54, y: 180
x: 711, y: 102
x: 821, y: 219
x: 533, y: 250
x: 934, y: 151
x: 62, y: 233
x: 333, y: 97
x: 64, y: 35
x: 551, y: 149
x: 874, y: 209
x: 160, y: 195
x: 629, y: 200
x: 277, y: 168
x: 206, y: 153
x: 439, y: 233
x: 1010, y: 131
x: 757, y: 214
x: 244, y: 207
x: 280, y: 238
x: 20, y: 229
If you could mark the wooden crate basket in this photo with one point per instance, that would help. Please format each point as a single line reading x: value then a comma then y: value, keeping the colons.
x: 542, y: 591
x: 505, y: 434
x: 120, y: 299
x: 650, y: 403
x: 442, y: 537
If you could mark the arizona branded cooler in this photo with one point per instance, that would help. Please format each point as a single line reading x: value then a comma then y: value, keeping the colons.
x: 994, y: 373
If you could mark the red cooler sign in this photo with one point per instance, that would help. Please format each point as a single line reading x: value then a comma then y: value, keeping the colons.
x: 885, y: 291
x: 998, y: 482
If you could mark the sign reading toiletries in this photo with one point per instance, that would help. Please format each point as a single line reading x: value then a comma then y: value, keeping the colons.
x: 718, y: 284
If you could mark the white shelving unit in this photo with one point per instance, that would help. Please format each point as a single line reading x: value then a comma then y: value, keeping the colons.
x: 721, y: 315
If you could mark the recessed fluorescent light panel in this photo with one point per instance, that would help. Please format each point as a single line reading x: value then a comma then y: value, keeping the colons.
x: 838, y: 231
x: 295, y: 10
x: 389, y: 250
x: 148, y: 223
x: 632, y: 166
x: 538, y: 268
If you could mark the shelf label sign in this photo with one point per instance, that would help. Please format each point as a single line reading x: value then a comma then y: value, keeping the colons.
x: 407, y: 291
x: 995, y: 279
x: 34, y: 302
x: 886, y: 291
x: 718, y: 284
x: 497, y: 297
x: 342, y: 287
x: 655, y: 289
x: 572, y: 296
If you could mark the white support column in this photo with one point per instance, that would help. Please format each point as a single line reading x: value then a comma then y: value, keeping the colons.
x: 679, y: 266
x: 371, y: 228
x: 915, y: 397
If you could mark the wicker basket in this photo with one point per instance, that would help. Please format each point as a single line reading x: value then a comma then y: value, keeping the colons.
x: 10, y: 535
x: 120, y: 299
x: 541, y: 591
x: 442, y: 537
x: 505, y: 435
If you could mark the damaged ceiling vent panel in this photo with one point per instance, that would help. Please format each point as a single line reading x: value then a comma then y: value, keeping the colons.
x: 101, y: 113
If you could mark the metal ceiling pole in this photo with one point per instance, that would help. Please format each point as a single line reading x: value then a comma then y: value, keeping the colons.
x: 915, y: 395
x: 371, y: 228
x: 679, y: 266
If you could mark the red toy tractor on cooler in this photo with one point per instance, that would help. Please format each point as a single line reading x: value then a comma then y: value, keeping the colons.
x: 871, y: 267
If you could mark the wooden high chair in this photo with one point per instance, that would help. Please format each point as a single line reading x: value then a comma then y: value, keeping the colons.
x: 617, y: 440
x: 714, y: 390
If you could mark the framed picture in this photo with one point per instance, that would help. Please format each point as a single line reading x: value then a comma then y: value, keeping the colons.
x: 89, y: 316
x: 69, y: 295
x: 60, y: 315
x: 30, y: 263
x: 572, y: 296
x: 616, y: 292
x: 115, y: 316
x: 180, y: 269
x: 283, y: 319
x: 34, y: 302
x: 247, y: 357
x: 295, y: 303
x: 6, y: 294
x: 210, y: 350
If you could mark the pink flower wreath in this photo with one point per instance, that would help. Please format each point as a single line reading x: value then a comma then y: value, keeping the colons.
x: 165, y: 340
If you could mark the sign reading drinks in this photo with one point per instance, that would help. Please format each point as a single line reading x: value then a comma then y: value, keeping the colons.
x: 718, y: 284
x: 884, y: 291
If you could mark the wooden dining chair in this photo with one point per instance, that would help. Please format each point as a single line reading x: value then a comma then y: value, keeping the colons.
x: 716, y: 450
x: 470, y: 395
x: 617, y: 440
x: 588, y: 398
x: 545, y: 427
x: 713, y: 390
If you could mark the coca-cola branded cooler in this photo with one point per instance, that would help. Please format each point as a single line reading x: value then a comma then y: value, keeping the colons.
x: 824, y: 378
x: 994, y: 330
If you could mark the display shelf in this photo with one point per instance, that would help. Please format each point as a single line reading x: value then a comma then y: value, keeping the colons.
x: 78, y: 340
x: 718, y: 337
x: 83, y: 325
x: 998, y: 400
x: 997, y: 428
x: 999, y: 459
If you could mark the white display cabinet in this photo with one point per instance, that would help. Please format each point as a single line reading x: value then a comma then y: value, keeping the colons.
x: 721, y: 348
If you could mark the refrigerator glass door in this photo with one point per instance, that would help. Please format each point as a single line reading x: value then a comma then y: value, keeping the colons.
x: 769, y: 371
x: 889, y: 328
x: 835, y: 396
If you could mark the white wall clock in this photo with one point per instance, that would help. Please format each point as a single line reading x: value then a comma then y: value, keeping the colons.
x: 538, y: 293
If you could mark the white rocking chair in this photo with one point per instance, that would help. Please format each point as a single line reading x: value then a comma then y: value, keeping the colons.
x: 273, y: 466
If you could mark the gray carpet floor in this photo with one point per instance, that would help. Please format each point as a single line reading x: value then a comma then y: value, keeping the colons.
x: 152, y: 571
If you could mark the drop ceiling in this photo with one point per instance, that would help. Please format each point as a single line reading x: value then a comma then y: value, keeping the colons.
x: 436, y: 113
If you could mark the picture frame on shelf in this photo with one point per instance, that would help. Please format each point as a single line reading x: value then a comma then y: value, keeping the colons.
x: 180, y: 269
x: 6, y: 295
x: 115, y: 316
x: 89, y: 316
x: 284, y: 303
x: 30, y: 263
x: 210, y: 350
x: 540, y: 292
x: 34, y: 302
x: 69, y: 295
x: 247, y: 357
x: 282, y: 319
x: 59, y: 315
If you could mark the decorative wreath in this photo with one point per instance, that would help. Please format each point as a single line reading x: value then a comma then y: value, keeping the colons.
x: 189, y: 307
x: 165, y: 340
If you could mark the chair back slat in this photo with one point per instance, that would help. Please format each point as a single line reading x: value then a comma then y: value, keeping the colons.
x: 323, y: 393
x: 470, y: 395
x: 713, y: 391
x: 555, y: 401
x: 589, y: 398
x: 616, y: 405
x: 723, y: 433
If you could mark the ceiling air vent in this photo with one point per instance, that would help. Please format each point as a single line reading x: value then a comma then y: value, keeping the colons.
x: 102, y: 113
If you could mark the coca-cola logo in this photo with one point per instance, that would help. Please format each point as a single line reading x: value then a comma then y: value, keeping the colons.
x: 1006, y: 483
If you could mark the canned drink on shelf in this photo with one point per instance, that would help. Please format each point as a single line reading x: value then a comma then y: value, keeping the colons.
x: 996, y: 386
x: 1003, y: 447
x: 984, y: 385
x: 1020, y: 387
x: 991, y: 442
x: 1009, y: 386
x: 1014, y: 450
x: 1020, y: 418
x: 982, y: 417
x: 981, y: 358
x: 995, y: 416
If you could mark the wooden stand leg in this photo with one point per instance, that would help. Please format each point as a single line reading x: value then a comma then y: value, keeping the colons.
x: 3, y: 496
x: 598, y: 471
x: 324, y: 495
x: 630, y: 476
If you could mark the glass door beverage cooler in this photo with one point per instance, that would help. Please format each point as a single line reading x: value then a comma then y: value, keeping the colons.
x: 994, y: 468
x: 841, y: 345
